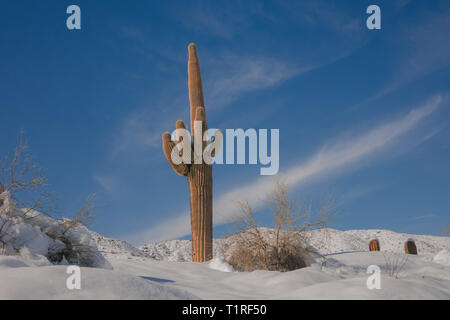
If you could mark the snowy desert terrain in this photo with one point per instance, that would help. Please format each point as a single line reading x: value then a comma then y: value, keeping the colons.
x: 163, y: 271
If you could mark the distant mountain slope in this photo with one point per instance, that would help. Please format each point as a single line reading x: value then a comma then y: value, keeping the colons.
x: 109, y: 246
x: 325, y: 241
x: 332, y: 241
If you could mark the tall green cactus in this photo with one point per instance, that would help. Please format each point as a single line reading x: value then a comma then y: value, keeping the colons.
x: 199, y: 175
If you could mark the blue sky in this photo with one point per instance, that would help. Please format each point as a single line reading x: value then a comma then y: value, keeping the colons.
x: 363, y: 115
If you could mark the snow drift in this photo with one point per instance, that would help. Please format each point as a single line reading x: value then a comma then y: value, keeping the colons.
x: 29, y: 269
x: 28, y: 232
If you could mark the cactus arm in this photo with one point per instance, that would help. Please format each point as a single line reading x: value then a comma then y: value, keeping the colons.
x: 180, y: 125
x: 168, y: 145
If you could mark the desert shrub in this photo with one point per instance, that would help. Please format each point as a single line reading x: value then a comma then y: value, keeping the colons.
x: 9, y: 243
x: 394, y: 262
x: 283, y: 248
x: 76, y: 250
x: 23, y: 189
x: 23, y: 180
x: 248, y: 252
x: 26, y: 207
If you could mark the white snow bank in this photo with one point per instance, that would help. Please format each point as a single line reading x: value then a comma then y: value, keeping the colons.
x: 343, y: 276
x: 28, y: 232
x: 324, y: 241
x: 155, y: 271
x: 219, y: 264
x: 50, y: 283
x: 443, y: 257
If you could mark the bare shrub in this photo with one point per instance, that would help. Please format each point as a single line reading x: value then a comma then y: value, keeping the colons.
x: 75, y: 251
x: 24, y: 180
x: 4, y: 234
x: 282, y: 249
x: 395, y: 262
x: 24, y: 199
x: 83, y: 217
x: 23, y: 186
x: 9, y: 243
x: 447, y: 231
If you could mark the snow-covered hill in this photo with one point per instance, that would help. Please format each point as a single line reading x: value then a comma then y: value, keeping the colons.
x: 325, y: 241
x: 110, y: 247
x: 28, y: 232
x: 163, y: 270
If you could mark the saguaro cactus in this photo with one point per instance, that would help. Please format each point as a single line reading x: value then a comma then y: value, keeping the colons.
x: 199, y: 175
x: 374, y: 245
x: 410, y: 247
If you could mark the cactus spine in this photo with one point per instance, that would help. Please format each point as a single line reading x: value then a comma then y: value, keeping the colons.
x: 199, y: 175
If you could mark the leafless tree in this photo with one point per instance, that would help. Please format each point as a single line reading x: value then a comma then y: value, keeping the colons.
x: 447, y: 231
x: 24, y: 195
x: 83, y: 217
x: 75, y: 252
x: 395, y: 262
x: 23, y: 185
x: 3, y: 234
x: 282, y: 249
x: 25, y: 181
x: 8, y: 240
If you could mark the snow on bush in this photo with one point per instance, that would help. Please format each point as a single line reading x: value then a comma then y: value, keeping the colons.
x: 443, y: 257
x: 219, y: 264
x: 28, y: 232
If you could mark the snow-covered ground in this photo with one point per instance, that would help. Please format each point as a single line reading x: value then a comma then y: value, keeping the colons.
x: 325, y: 241
x: 164, y: 271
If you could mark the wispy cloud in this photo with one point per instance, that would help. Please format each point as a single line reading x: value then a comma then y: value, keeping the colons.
x: 424, y: 217
x: 209, y: 22
x: 428, y: 50
x: 228, y: 75
x: 137, y: 131
x: 107, y: 182
x: 327, y: 15
x: 227, y: 19
x: 224, y: 20
x: 330, y: 159
x: 234, y: 75
x: 227, y: 78
x: 231, y: 77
